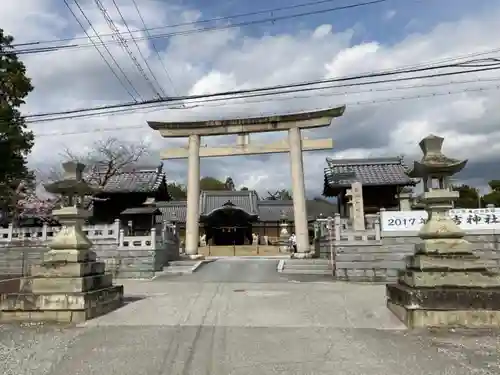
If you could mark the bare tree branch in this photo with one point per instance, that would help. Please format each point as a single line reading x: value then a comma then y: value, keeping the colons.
x: 108, y: 158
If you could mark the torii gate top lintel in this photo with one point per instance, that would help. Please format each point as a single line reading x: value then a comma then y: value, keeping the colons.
x: 314, y: 119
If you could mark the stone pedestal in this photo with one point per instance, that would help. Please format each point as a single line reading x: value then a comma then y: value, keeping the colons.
x: 69, y: 286
x: 66, y: 288
x: 448, y: 287
x: 444, y: 284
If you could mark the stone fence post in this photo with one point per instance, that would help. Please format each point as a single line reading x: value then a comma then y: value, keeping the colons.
x: 153, y: 237
x: 10, y: 233
x: 336, y: 227
x: 376, y: 227
x: 121, y: 236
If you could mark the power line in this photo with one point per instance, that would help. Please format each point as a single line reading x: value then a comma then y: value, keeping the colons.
x: 270, y: 90
x: 207, y: 29
x: 358, y: 103
x: 146, y: 30
x: 196, y: 104
x: 123, y: 43
x: 99, y: 51
x: 251, y: 94
x: 193, y: 23
x: 227, y: 101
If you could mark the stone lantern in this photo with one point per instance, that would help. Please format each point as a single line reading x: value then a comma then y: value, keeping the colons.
x: 444, y: 283
x: 73, y: 189
x: 435, y: 171
x: 284, y: 234
x: 70, y: 285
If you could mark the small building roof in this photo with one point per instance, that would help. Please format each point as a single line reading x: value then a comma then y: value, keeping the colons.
x: 341, y: 173
x: 173, y: 211
x: 136, y: 179
x: 141, y: 211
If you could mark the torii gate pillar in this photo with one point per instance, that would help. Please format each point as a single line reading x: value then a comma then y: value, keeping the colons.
x: 293, y: 123
x: 193, y: 196
x: 298, y: 190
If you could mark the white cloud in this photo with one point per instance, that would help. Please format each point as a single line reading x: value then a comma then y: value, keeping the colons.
x: 230, y: 59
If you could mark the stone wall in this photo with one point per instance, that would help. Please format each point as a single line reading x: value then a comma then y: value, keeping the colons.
x: 373, y: 255
x: 124, y: 256
x: 121, y: 262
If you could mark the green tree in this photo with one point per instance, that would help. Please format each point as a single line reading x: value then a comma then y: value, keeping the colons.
x: 469, y: 196
x: 493, y: 197
x: 211, y: 183
x: 16, y: 141
x: 177, y: 191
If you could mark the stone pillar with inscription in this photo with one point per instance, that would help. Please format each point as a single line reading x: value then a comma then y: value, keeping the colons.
x: 358, y: 214
x: 444, y: 283
x: 348, y: 204
x: 405, y: 200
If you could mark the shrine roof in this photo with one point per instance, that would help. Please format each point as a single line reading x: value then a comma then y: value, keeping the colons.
x: 211, y: 200
x: 275, y: 210
x: 341, y: 173
x: 136, y: 179
x: 319, y: 207
x: 267, y: 210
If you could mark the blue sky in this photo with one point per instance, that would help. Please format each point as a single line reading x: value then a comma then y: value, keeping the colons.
x: 386, y: 22
x: 373, y: 21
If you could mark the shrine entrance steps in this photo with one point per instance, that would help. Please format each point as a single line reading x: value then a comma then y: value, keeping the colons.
x: 181, y: 267
x: 240, y: 250
x: 305, y: 267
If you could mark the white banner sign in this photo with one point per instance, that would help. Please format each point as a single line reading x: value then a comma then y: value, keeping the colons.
x: 467, y: 219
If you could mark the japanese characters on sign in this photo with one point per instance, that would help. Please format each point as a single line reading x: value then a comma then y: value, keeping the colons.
x: 467, y: 219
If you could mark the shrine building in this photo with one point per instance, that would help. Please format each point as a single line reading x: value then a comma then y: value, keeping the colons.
x: 384, y: 181
x: 129, y: 189
x: 231, y: 217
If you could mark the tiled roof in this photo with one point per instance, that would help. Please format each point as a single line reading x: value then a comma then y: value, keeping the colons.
x: 376, y: 172
x: 136, y: 179
x: 320, y: 207
x: 173, y: 210
x: 214, y: 199
x: 141, y: 211
x: 268, y: 210
x: 273, y: 210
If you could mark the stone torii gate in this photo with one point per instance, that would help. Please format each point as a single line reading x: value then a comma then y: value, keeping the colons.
x: 293, y: 123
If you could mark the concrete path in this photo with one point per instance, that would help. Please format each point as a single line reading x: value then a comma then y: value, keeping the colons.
x: 244, y: 270
x: 264, y: 327
x: 231, y: 270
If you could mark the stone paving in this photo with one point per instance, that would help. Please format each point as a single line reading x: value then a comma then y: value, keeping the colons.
x: 241, y: 318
